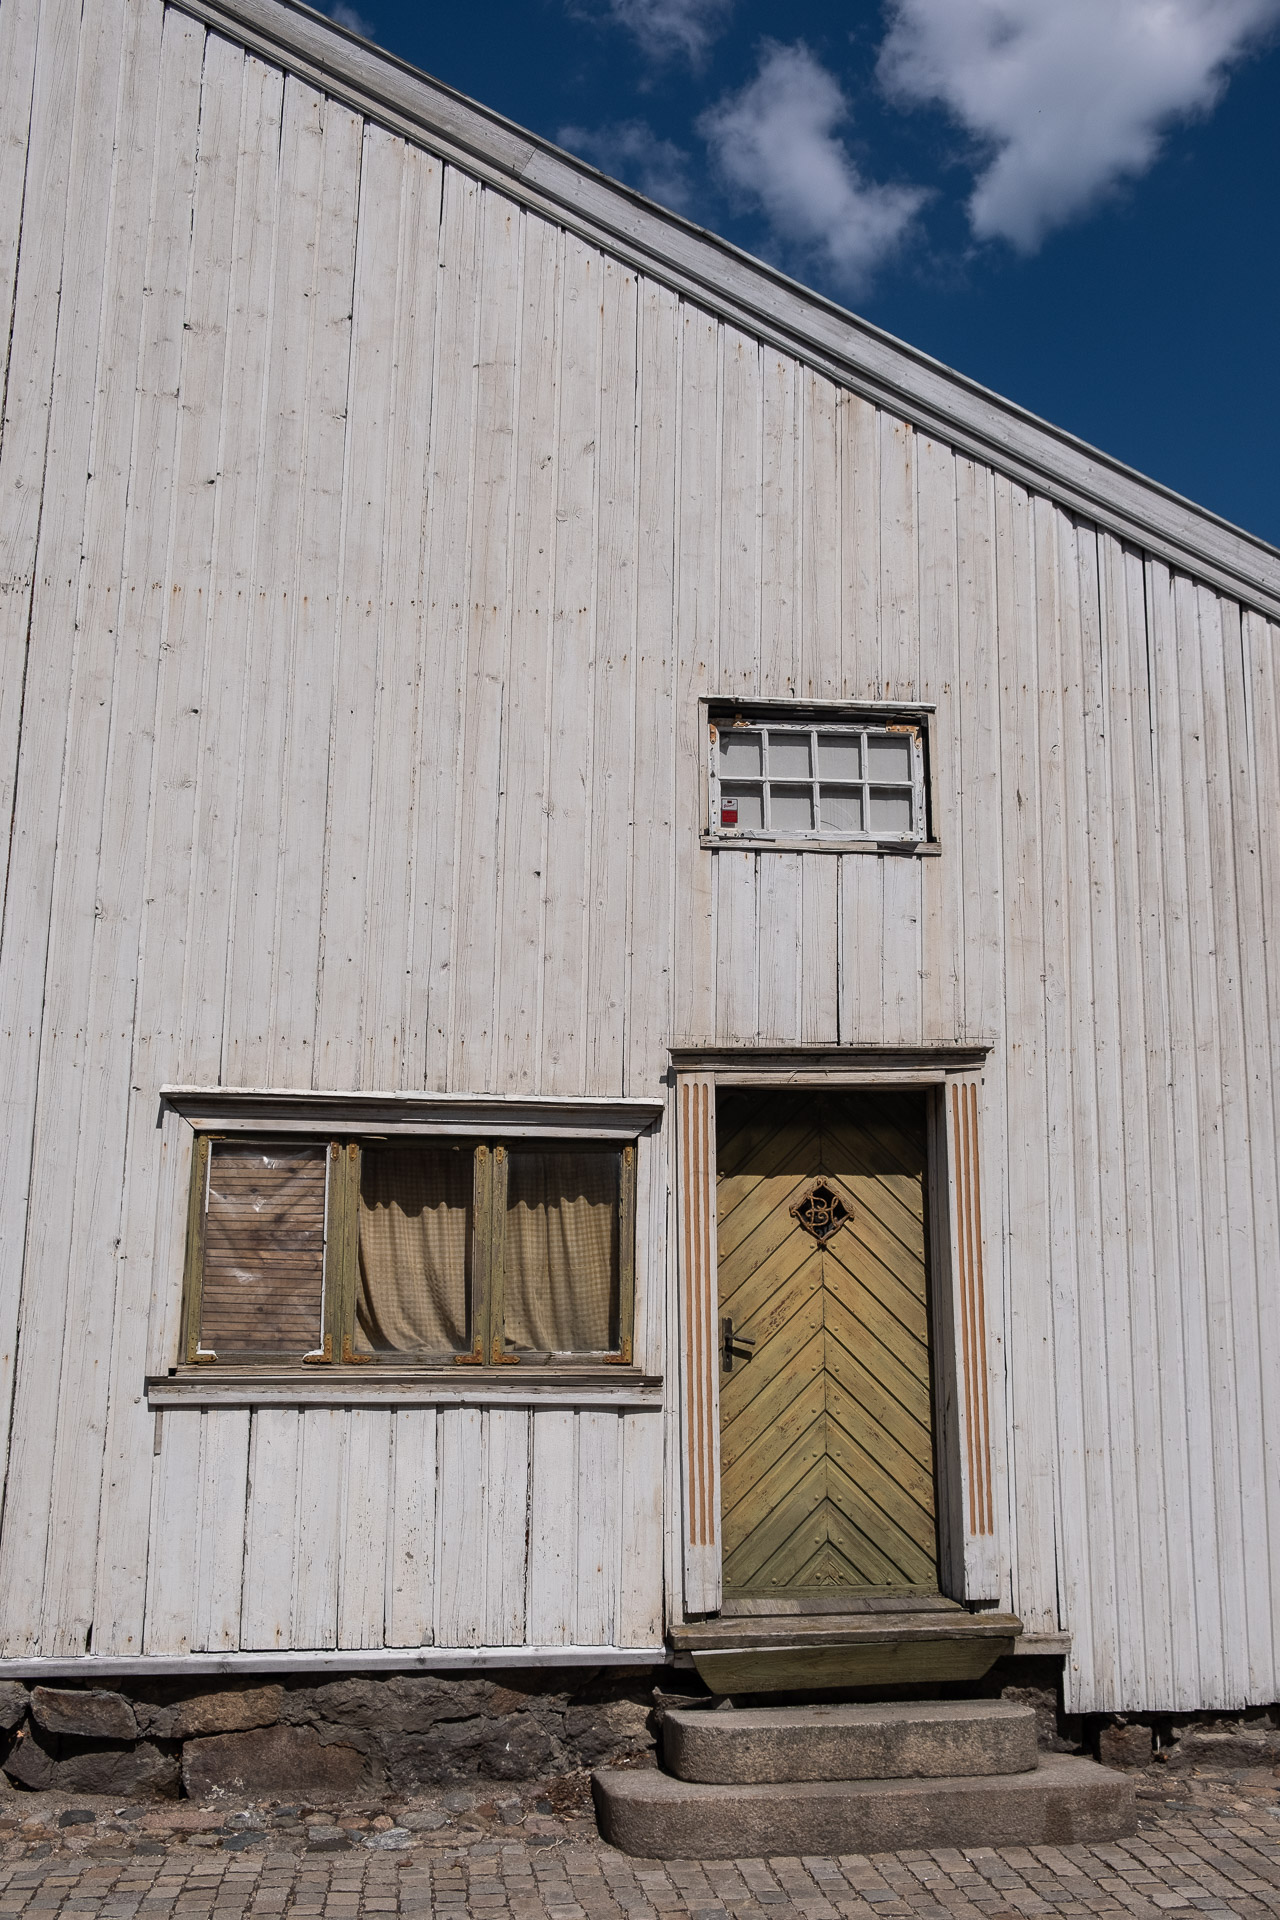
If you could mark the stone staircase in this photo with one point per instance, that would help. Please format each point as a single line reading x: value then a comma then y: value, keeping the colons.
x: 749, y: 1781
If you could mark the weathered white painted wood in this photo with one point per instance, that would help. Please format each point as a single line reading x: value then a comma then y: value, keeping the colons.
x: 172, y: 1621
x: 819, y: 508
x: 526, y: 824
x: 311, y: 611
x: 697, y: 671
x: 859, y: 447
x: 651, y: 909
x: 1031, y: 1329
x: 780, y: 940
x: 445, y: 597
x: 1059, y: 718
x: 1162, y: 1530
x: 639, y: 1604
x: 574, y: 640
x: 553, y: 1526
x: 739, y: 935
x: 738, y: 498
x: 412, y: 1551
x: 152, y: 1203
x: 53, y: 872
x: 820, y: 951
x: 362, y: 1578
x: 408, y: 686
x: 505, y: 1506
x: 273, y: 545
x: 322, y: 1476
x: 266, y: 1615
x: 223, y: 1504
x: 227, y: 520
x: 941, y: 881
x: 132, y: 558
x: 609, y: 843
x: 598, y: 1544
x: 460, y: 1568
x: 782, y: 528
x: 474, y: 976
x: 363, y: 505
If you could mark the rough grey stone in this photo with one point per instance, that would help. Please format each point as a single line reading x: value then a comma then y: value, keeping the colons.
x: 910, y: 1739
x: 403, y: 1703
x: 88, y: 1713
x: 271, y: 1760
x: 51, y: 1762
x: 1243, y: 1743
x: 1063, y: 1801
x: 1125, y: 1745
x: 424, y: 1820
x: 231, y: 1710
x: 14, y: 1700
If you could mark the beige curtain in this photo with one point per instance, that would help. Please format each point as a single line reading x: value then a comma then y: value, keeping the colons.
x: 561, y: 1260
x: 415, y: 1212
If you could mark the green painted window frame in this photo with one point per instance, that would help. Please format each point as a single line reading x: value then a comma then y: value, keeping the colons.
x: 341, y: 1258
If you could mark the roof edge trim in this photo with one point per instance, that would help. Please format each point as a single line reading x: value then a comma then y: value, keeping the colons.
x: 754, y: 296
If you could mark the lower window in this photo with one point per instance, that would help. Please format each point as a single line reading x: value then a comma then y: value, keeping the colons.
x: 413, y: 1251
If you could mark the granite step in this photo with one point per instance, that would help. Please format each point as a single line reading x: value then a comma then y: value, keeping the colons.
x: 881, y: 1741
x: 1063, y: 1801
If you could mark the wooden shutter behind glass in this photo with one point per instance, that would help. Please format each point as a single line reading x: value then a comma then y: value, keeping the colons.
x: 263, y: 1287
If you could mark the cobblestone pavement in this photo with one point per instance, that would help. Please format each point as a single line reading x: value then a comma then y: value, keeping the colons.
x: 1209, y: 1846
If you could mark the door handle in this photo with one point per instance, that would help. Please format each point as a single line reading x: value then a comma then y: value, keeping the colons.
x: 733, y: 1343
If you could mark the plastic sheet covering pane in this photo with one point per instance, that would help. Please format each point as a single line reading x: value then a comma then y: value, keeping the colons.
x: 415, y: 1219
x: 263, y: 1285
x: 561, y: 1257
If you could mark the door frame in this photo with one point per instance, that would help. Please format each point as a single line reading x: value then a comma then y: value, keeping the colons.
x: 966, y: 1301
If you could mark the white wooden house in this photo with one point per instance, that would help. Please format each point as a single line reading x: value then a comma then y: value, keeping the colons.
x: 521, y: 730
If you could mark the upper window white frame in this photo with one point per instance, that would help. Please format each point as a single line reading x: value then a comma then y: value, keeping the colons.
x: 786, y: 775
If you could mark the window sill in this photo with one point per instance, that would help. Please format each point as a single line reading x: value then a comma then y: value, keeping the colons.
x: 764, y: 843
x: 619, y: 1389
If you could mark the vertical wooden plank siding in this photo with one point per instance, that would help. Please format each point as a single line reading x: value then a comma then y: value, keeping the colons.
x: 368, y: 541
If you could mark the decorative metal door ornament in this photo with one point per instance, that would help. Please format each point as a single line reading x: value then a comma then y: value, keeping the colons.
x: 821, y: 1211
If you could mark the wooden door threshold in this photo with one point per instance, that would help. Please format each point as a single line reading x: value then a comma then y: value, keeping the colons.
x: 799, y: 1652
x: 779, y: 1606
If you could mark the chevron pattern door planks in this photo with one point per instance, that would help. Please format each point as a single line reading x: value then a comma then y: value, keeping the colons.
x: 825, y: 1402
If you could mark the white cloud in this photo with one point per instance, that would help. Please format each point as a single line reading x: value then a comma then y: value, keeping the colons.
x: 775, y: 145
x: 347, y: 17
x: 672, y: 27
x: 1068, y: 97
x: 633, y: 152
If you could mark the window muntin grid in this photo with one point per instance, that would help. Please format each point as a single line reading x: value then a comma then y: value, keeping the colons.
x: 820, y: 780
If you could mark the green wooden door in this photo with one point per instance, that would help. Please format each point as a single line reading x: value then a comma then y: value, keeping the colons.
x: 825, y: 1403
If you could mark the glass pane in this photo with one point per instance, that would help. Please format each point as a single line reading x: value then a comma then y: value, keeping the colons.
x: 561, y: 1258
x: 742, y: 808
x: 415, y: 1217
x: 890, y: 810
x: 839, y: 756
x: 841, y: 809
x: 788, y: 756
x: 739, y: 754
x: 889, y: 757
x: 263, y: 1250
x: 791, y: 809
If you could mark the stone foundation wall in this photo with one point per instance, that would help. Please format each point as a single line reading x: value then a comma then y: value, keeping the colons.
x: 359, y: 1737
x: 351, y: 1738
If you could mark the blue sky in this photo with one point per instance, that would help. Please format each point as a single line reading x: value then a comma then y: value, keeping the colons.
x: 1076, y: 202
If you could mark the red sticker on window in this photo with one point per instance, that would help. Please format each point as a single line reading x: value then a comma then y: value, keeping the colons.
x: 729, y: 813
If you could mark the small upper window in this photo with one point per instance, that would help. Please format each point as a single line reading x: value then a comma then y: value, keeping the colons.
x: 856, y: 778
